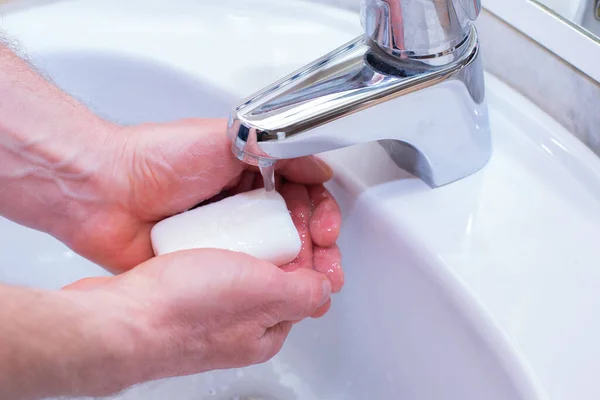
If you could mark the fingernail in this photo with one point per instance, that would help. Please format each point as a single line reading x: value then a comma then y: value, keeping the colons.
x: 326, y: 286
x: 325, y: 167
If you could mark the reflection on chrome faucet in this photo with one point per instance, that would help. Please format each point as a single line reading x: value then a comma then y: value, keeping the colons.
x: 413, y: 82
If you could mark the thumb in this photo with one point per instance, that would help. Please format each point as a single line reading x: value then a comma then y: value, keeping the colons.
x: 190, y: 157
x: 88, y: 283
x: 303, y: 293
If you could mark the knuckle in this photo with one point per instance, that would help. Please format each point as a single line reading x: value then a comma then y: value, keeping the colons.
x: 275, y: 341
x: 271, y: 352
x: 314, y: 294
x: 251, y: 345
x: 256, y: 352
x: 307, y: 292
x: 245, y: 351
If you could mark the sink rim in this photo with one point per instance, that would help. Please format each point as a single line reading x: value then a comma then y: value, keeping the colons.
x: 567, y: 151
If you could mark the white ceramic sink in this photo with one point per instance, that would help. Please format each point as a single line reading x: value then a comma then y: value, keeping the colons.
x: 488, y: 288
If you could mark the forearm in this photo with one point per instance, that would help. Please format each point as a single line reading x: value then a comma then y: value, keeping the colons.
x: 50, y: 149
x: 62, y: 343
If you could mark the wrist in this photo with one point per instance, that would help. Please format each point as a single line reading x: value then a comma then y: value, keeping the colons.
x: 79, y: 182
x: 54, y: 178
x: 109, y: 353
x: 52, y: 150
x: 55, y: 343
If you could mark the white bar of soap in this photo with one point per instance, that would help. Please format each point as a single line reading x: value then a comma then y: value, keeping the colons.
x: 257, y: 223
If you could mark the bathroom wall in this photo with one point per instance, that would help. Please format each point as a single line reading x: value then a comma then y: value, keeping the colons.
x: 570, y: 96
x: 564, y: 92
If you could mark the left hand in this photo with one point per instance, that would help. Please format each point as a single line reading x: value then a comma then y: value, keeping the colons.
x: 317, y: 217
x: 158, y: 170
x: 189, y: 312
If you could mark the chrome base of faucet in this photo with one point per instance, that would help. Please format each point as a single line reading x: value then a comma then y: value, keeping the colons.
x: 430, y: 117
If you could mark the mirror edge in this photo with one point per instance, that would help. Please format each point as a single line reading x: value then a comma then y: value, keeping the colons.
x: 552, y: 32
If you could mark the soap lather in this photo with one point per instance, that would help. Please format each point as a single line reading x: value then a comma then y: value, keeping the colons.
x: 257, y: 223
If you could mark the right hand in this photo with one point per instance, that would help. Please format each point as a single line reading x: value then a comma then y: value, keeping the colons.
x: 200, y: 310
x: 149, y: 172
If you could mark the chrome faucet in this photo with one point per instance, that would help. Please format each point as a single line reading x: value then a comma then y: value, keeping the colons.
x: 413, y: 82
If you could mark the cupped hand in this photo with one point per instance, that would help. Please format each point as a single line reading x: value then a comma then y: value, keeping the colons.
x: 154, y: 171
x: 317, y: 217
x: 199, y: 310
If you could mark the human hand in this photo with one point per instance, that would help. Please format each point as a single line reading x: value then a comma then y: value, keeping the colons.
x: 153, y: 171
x: 317, y: 218
x: 199, y: 310
x: 100, y: 187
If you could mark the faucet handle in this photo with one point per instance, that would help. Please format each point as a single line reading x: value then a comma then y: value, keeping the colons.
x: 418, y: 29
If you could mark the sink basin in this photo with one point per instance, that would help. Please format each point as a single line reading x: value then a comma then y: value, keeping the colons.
x: 486, y: 288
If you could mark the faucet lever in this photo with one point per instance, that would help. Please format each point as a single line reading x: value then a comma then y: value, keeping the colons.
x: 418, y: 29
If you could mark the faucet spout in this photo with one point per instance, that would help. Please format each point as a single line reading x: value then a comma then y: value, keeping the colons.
x: 428, y: 113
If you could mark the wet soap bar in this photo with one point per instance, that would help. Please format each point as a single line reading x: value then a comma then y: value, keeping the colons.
x: 256, y: 222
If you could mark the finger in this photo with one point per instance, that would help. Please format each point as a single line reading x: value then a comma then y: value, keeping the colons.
x: 233, y: 182
x: 298, y: 202
x: 224, y: 194
x: 259, y: 183
x: 274, y: 339
x: 302, y: 293
x: 279, y: 181
x: 328, y: 261
x: 326, y: 218
x: 246, y: 183
x: 306, y: 170
x: 195, y: 167
x: 88, y: 283
x: 321, y: 311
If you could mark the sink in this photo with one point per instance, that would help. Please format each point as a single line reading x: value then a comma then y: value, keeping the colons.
x: 487, y: 288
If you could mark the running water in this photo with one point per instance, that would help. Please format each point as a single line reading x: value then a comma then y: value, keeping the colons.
x: 268, y: 175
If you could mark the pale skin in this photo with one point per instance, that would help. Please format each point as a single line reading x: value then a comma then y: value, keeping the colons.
x: 99, y: 188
